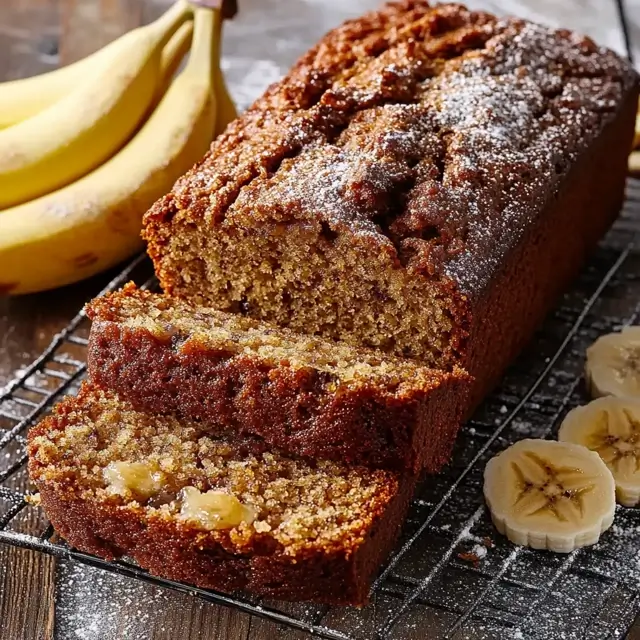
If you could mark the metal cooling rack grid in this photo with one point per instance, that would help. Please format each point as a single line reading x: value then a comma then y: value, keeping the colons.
x: 452, y: 576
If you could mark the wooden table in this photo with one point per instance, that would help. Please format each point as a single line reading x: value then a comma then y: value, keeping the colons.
x: 41, y: 597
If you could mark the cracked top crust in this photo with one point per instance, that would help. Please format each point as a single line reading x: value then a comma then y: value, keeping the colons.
x: 434, y: 133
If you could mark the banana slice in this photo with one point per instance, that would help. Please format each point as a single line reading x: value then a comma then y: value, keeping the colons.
x: 550, y: 495
x: 613, y: 364
x: 610, y: 427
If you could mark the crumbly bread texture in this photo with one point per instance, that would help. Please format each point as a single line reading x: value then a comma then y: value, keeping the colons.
x: 306, y: 531
x: 302, y: 394
x: 426, y: 180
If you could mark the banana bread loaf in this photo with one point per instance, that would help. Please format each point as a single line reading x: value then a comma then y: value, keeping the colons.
x: 301, y: 394
x: 215, y: 512
x: 426, y: 180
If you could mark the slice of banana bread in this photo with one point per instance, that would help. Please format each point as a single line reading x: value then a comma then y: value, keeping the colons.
x: 302, y: 394
x: 426, y: 180
x: 190, y: 505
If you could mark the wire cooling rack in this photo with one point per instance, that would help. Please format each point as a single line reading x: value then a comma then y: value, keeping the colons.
x: 452, y: 575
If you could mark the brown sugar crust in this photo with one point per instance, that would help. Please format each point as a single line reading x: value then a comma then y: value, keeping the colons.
x: 383, y: 192
x: 420, y: 87
x: 320, y: 532
x: 301, y: 394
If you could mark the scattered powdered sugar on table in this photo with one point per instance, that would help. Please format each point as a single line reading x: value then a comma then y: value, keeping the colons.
x: 523, y: 427
x: 95, y: 605
x: 36, y: 379
x: 18, y: 373
x: 479, y: 551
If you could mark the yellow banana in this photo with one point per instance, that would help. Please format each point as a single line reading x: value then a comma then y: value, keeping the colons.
x: 550, y: 495
x: 95, y: 223
x: 171, y: 58
x: 226, y: 109
x: 79, y: 132
x: 173, y: 54
x: 21, y: 99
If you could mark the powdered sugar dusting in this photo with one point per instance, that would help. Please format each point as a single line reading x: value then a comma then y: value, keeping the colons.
x: 18, y: 373
x: 96, y: 605
x: 518, y: 120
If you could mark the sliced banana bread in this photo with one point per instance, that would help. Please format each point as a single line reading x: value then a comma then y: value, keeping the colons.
x: 191, y: 505
x: 302, y: 394
x: 426, y: 180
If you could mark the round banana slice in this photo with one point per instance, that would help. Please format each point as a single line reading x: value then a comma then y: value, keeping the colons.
x: 613, y: 364
x: 610, y: 427
x: 550, y: 495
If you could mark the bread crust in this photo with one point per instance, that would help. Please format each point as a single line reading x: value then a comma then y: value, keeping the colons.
x: 339, y: 577
x: 540, y: 268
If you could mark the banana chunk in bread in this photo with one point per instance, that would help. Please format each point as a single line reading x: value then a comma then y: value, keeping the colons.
x: 426, y: 180
x: 305, y: 395
x: 220, y: 513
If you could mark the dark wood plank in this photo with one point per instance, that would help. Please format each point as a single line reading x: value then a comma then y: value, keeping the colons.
x: 27, y: 583
x: 88, y: 25
x: 632, y: 11
x: 28, y: 37
x: 190, y: 618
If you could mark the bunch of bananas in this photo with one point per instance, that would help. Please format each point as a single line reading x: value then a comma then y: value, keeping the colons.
x: 85, y: 150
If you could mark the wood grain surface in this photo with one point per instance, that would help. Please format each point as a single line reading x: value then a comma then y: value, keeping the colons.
x: 43, y: 598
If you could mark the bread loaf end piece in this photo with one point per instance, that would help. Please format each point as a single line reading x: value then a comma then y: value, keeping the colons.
x: 117, y: 482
